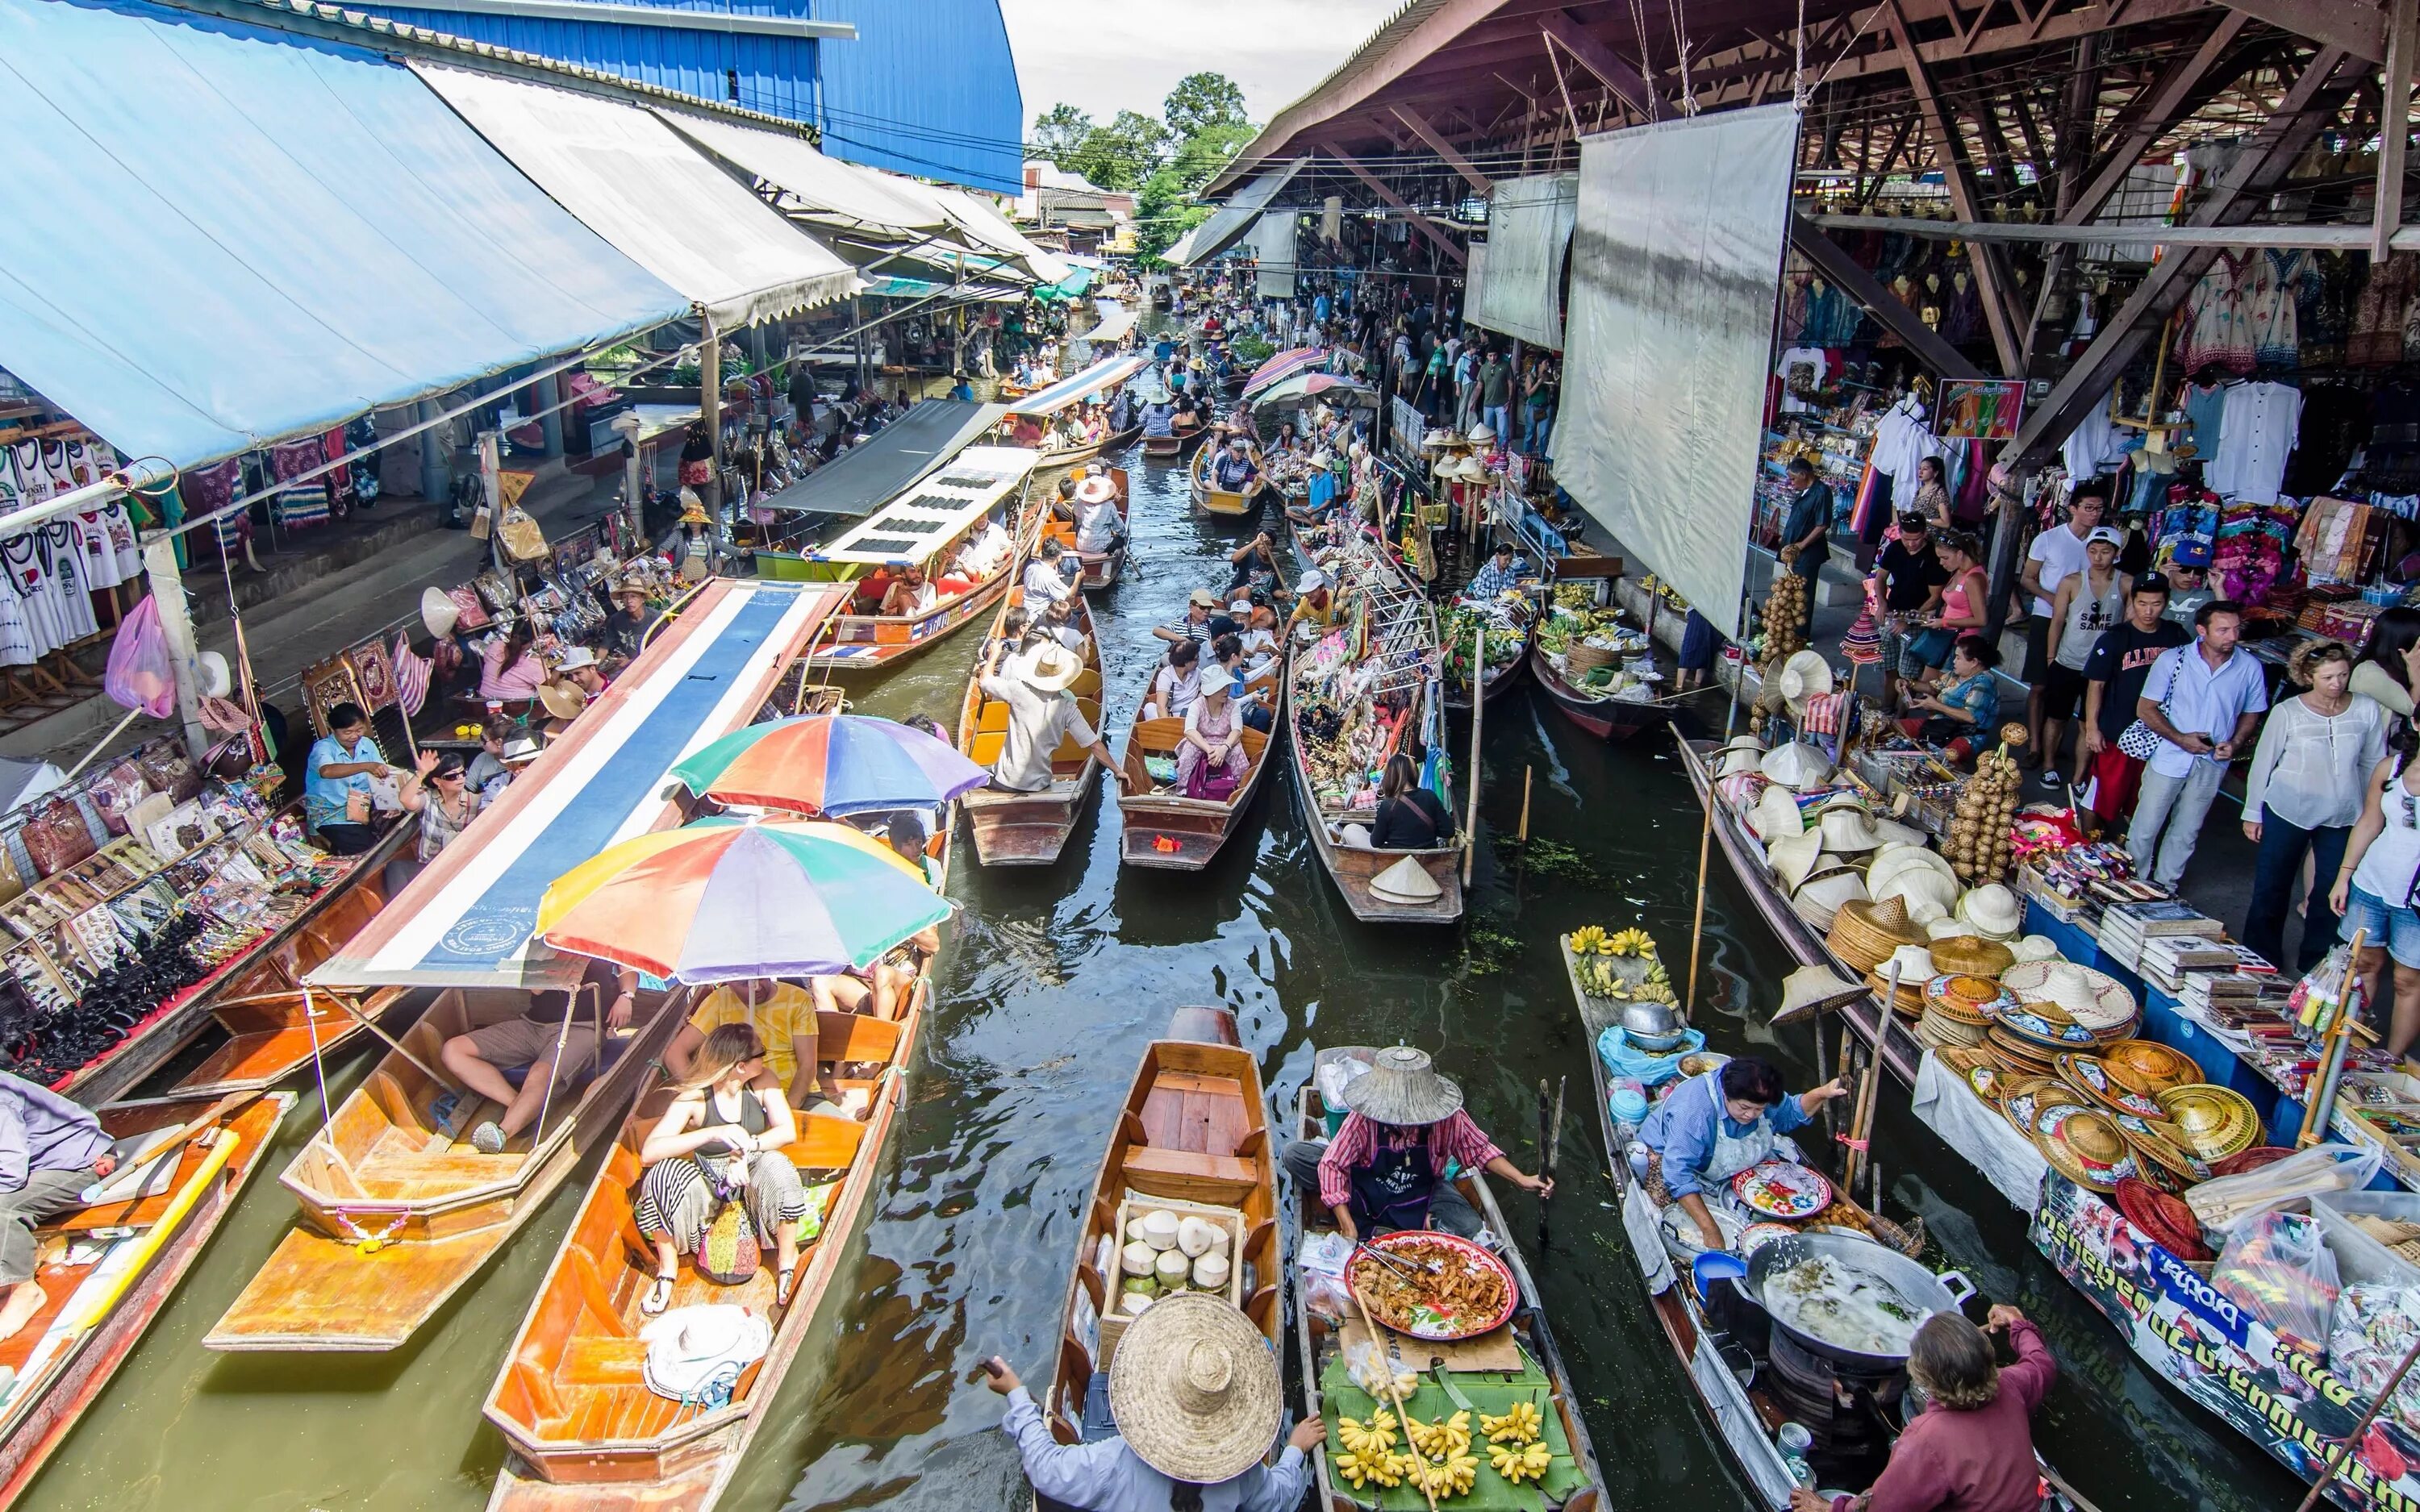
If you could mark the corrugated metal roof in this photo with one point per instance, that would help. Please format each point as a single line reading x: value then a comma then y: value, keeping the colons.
x: 928, y: 87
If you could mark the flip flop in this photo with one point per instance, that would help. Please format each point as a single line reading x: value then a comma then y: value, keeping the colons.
x: 782, y: 1280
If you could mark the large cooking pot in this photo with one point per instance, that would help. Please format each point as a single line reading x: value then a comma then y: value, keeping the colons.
x: 1915, y: 1285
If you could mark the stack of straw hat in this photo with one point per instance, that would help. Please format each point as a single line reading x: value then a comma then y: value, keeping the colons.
x: 1864, y: 934
x: 1958, y: 1009
x: 1915, y: 966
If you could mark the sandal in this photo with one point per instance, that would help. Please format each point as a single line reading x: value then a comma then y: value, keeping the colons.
x: 660, y: 1296
x: 782, y: 1280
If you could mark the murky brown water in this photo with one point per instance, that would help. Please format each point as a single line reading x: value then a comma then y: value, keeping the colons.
x: 1054, y: 981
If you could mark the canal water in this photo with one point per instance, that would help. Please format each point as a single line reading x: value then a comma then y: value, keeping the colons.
x: 1054, y: 981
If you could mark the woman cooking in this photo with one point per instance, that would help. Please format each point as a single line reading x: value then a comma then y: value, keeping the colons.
x: 1388, y: 1166
x: 1711, y: 1127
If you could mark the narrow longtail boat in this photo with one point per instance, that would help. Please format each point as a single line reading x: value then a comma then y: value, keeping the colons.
x: 110, y: 1266
x: 400, y: 1210
x: 1192, y: 1137
x: 1226, y: 503
x: 571, y: 1398
x: 1608, y: 718
x: 1100, y: 568
x: 1028, y: 828
x: 1029, y: 413
x: 1175, y: 442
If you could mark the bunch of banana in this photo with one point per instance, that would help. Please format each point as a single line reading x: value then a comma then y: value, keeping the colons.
x: 1518, y: 1425
x: 1450, y: 1476
x: 1527, y: 1462
x: 1631, y: 942
x: 1441, y: 1437
x: 1374, y: 1438
x: 1587, y: 939
x: 1375, y: 1467
x: 1657, y: 975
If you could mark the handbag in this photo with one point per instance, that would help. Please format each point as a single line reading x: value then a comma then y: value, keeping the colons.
x: 727, y: 1251
x: 2139, y: 740
x: 523, y: 540
x: 56, y: 838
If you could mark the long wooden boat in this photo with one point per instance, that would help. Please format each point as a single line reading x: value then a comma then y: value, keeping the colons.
x: 571, y: 1398
x: 1028, y: 828
x: 1100, y: 568
x: 257, y: 1003
x: 1494, y: 682
x: 1319, y: 1338
x: 400, y: 1212
x: 1174, y: 444
x: 922, y: 526
x: 1225, y: 503
x: 1116, y: 441
x: 1194, y: 1129
x: 1607, y: 718
x: 184, y: 1162
x: 1164, y: 830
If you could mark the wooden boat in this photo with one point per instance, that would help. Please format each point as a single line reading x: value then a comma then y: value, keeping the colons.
x: 1319, y: 1338
x: 1116, y: 441
x: 400, y: 1210
x: 186, y: 1160
x: 923, y: 525
x: 1213, y: 499
x: 1100, y: 568
x: 1175, y: 443
x: 1028, y: 828
x: 1165, y: 830
x: 571, y: 1400
x: 1494, y: 682
x: 1608, y: 718
x: 257, y: 1003
x: 1193, y: 1128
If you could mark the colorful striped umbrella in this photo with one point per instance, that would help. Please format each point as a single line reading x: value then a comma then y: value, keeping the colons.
x: 830, y: 763
x: 1293, y: 359
x: 1303, y: 385
x: 723, y: 899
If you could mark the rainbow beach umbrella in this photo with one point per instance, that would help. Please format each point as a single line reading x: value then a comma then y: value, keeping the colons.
x: 723, y: 899
x: 830, y: 763
x: 1293, y: 359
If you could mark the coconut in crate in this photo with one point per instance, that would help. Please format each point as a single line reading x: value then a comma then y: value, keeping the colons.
x: 1978, y: 845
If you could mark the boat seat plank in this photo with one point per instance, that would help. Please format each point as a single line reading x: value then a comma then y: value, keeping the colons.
x: 824, y: 1144
x: 599, y: 1359
x: 855, y: 1036
x: 259, y: 1058
x: 1172, y: 1169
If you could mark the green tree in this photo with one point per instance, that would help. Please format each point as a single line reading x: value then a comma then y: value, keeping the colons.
x: 1202, y: 100
x: 1121, y: 155
x: 1059, y: 133
x: 1199, y: 156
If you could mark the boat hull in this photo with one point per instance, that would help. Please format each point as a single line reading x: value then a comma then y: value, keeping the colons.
x: 1028, y: 829
x: 1074, y: 455
x: 875, y: 643
x: 1608, y: 720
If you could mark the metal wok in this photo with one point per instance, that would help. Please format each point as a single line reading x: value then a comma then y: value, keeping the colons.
x: 1921, y: 1288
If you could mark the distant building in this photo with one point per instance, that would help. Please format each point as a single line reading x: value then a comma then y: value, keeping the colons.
x: 926, y: 87
x: 1068, y: 213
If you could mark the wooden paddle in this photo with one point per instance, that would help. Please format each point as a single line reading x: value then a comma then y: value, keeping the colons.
x: 1385, y: 1367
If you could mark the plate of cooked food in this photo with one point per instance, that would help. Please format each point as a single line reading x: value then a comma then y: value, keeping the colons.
x: 1432, y: 1284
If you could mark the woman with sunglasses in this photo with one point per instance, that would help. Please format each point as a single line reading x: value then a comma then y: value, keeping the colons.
x: 438, y: 789
x: 2374, y: 887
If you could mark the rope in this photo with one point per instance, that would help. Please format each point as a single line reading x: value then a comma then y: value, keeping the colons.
x: 1646, y: 64
x: 1681, y: 45
x: 1798, y: 63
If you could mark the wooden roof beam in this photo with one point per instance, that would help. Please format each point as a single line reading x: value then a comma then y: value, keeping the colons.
x: 1989, y: 278
x: 2357, y: 27
x: 1389, y: 197
x: 1625, y: 81
x: 1419, y: 127
x: 2152, y: 115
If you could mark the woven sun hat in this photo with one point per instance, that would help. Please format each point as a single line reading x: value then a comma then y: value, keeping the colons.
x: 1195, y: 1389
x: 1742, y: 743
x: 1803, y: 676
x: 438, y: 612
x: 1407, y: 882
x: 2089, y: 1075
x: 1891, y: 860
x: 1775, y: 816
x: 1403, y: 1090
x: 1993, y: 910
x: 1865, y: 933
x: 1846, y: 830
x: 2211, y: 1121
x: 1966, y: 999
x: 1818, y: 898
x: 1739, y: 762
x: 1052, y: 669
x: 1921, y: 887
x: 2033, y: 948
x: 1095, y: 490
x: 561, y: 699
x: 1438, y: 437
x: 1480, y: 436
x: 1971, y: 954
x: 2148, y: 1067
x: 2095, y: 999
x: 1895, y: 833
x: 1793, y: 857
x: 1811, y: 990
x: 1915, y: 968
x: 2163, y: 1218
x: 2084, y: 1144
x: 1796, y: 766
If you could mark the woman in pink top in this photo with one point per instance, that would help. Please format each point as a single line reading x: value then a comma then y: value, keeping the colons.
x: 1972, y: 1450
x: 512, y: 671
x: 1961, y: 612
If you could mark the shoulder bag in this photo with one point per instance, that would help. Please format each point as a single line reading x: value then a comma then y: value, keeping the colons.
x: 2139, y: 740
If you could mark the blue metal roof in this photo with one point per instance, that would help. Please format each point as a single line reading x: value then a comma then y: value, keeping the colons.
x: 928, y: 87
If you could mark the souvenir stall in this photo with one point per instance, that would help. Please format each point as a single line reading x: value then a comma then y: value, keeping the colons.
x: 61, y: 592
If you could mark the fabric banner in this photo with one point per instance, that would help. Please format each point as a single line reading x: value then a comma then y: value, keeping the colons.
x: 1675, y: 264
x: 1529, y: 229
x: 2215, y: 1352
x: 1273, y: 247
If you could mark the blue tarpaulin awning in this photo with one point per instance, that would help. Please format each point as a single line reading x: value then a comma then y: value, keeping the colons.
x: 227, y: 234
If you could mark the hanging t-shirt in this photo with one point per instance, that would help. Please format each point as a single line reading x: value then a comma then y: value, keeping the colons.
x: 1801, y: 371
x: 2093, y: 446
x: 29, y: 574
x: 2204, y: 409
x: 33, y: 479
x: 2256, y: 437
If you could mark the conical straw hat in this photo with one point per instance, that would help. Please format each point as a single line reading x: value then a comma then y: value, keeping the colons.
x: 1796, y: 766
x: 1775, y: 815
x: 1194, y: 1389
x: 1793, y: 856
x: 1810, y: 990
x: 1402, y: 1088
x: 1407, y: 882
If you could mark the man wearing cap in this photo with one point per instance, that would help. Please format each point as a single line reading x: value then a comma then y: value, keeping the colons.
x: 1497, y: 576
x: 1195, y: 626
x: 1315, y: 606
x: 1236, y: 471
x: 1195, y: 1393
x: 1040, y: 714
x: 1386, y: 1168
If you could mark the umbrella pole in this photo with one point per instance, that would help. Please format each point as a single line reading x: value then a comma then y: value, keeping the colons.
x: 554, y: 1063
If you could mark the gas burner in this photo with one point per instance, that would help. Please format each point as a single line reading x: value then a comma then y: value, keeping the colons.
x: 1843, y: 1406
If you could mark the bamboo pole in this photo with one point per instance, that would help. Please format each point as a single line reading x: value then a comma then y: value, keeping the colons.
x: 1526, y: 773
x: 1478, y: 715
x: 1386, y: 1369
x: 2322, y: 1090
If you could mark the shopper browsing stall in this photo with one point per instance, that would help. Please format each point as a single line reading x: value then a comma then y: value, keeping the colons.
x: 2055, y: 555
x: 2202, y: 701
x: 2303, y: 796
x: 1803, y: 529
x: 2113, y: 682
x: 2087, y: 602
x: 2374, y: 889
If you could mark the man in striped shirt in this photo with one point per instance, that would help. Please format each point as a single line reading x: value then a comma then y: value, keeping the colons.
x: 1388, y: 1166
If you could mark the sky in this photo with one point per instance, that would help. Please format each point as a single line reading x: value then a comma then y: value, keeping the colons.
x: 1107, y: 55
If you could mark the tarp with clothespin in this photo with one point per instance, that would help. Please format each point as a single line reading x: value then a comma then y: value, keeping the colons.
x: 467, y: 919
x: 650, y: 192
x: 226, y: 235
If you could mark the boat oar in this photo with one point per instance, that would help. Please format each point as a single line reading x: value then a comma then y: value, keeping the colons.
x: 1549, y: 1145
x: 1386, y: 1370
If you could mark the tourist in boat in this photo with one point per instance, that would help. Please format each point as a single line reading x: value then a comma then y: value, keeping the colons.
x: 1972, y: 1448
x: 1195, y: 626
x: 1058, y: 622
x: 909, y: 838
x: 1098, y: 525
x: 1042, y: 715
x: 1259, y: 636
x: 1384, y: 1169
x: 438, y: 789
x: 1255, y: 564
x: 1045, y: 575
x: 908, y: 594
x: 1189, y: 409
x: 1210, y: 760
x: 49, y: 1150
x: 341, y: 779
x: 1160, y: 418
x: 558, y: 1029
x: 1314, y: 608
x: 625, y: 627
x: 580, y: 668
x: 1714, y: 1126
x: 987, y: 550
x: 720, y: 1141
x: 488, y: 771
x: 1498, y: 576
x: 1235, y: 471
x: 1408, y: 817
x: 784, y: 1017
x: 1195, y: 1391
x: 1227, y: 660
x: 1177, y: 682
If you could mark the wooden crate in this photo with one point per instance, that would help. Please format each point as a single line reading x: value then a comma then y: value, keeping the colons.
x: 1134, y: 1205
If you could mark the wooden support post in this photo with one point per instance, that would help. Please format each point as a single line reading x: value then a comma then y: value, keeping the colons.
x: 2394, y: 128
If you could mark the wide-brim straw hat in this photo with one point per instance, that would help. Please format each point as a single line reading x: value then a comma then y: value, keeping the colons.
x: 1195, y: 1390
x: 2095, y: 999
x: 1967, y: 999
x: 2148, y: 1067
x: 1864, y: 934
x: 1742, y: 743
x: 2212, y: 1121
x: 1407, y: 882
x: 1739, y: 762
x: 2089, y: 1075
x: 1915, y: 968
x: 1810, y: 990
x: 1052, y: 669
x: 1775, y: 816
x: 1993, y: 910
x: 561, y: 699
x: 1793, y: 856
x: 1895, y: 833
x: 1803, y: 676
x: 1096, y: 491
x: 1849, y: 831
x: 2084, y: 1146
x: 1820, y: 898
x: 1923, y: 889
x: 1970, y: 954
x: 1796, y: 766
x: 1891, y: 860
x: 1403, y: 1088
x: 2033, y: 948
x: 438, y: 612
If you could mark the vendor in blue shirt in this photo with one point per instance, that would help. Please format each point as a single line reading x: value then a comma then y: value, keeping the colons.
x: 1711, y: 1127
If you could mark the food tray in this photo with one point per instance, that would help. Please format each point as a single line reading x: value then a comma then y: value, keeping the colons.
x: 1807, y: 1193
x: 1134, y: 1205
x: 1447, y: 1327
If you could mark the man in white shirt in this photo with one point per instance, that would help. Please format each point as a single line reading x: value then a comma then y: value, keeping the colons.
x: 1040, y: 714
x: 2204, y: 702
x: 1046, y: 581
x: 987, y: 550
x: 1465, y: 403
x: 2056, y: 554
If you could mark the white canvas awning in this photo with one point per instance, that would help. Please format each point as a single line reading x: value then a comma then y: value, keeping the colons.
x: 988, y: 226
x: 1529, y: 228
x: 1237, y: 218
x: 824, y: 187
x: 638, y: 184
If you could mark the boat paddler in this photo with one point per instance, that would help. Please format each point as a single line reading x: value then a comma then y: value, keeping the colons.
x: 1714, y: 1126
x: 1386, y: 1167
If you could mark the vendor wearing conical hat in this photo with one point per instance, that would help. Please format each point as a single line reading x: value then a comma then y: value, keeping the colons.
x: 1386, y: 1167
x: 1714, y: 1126
x: 1195, y: 1392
